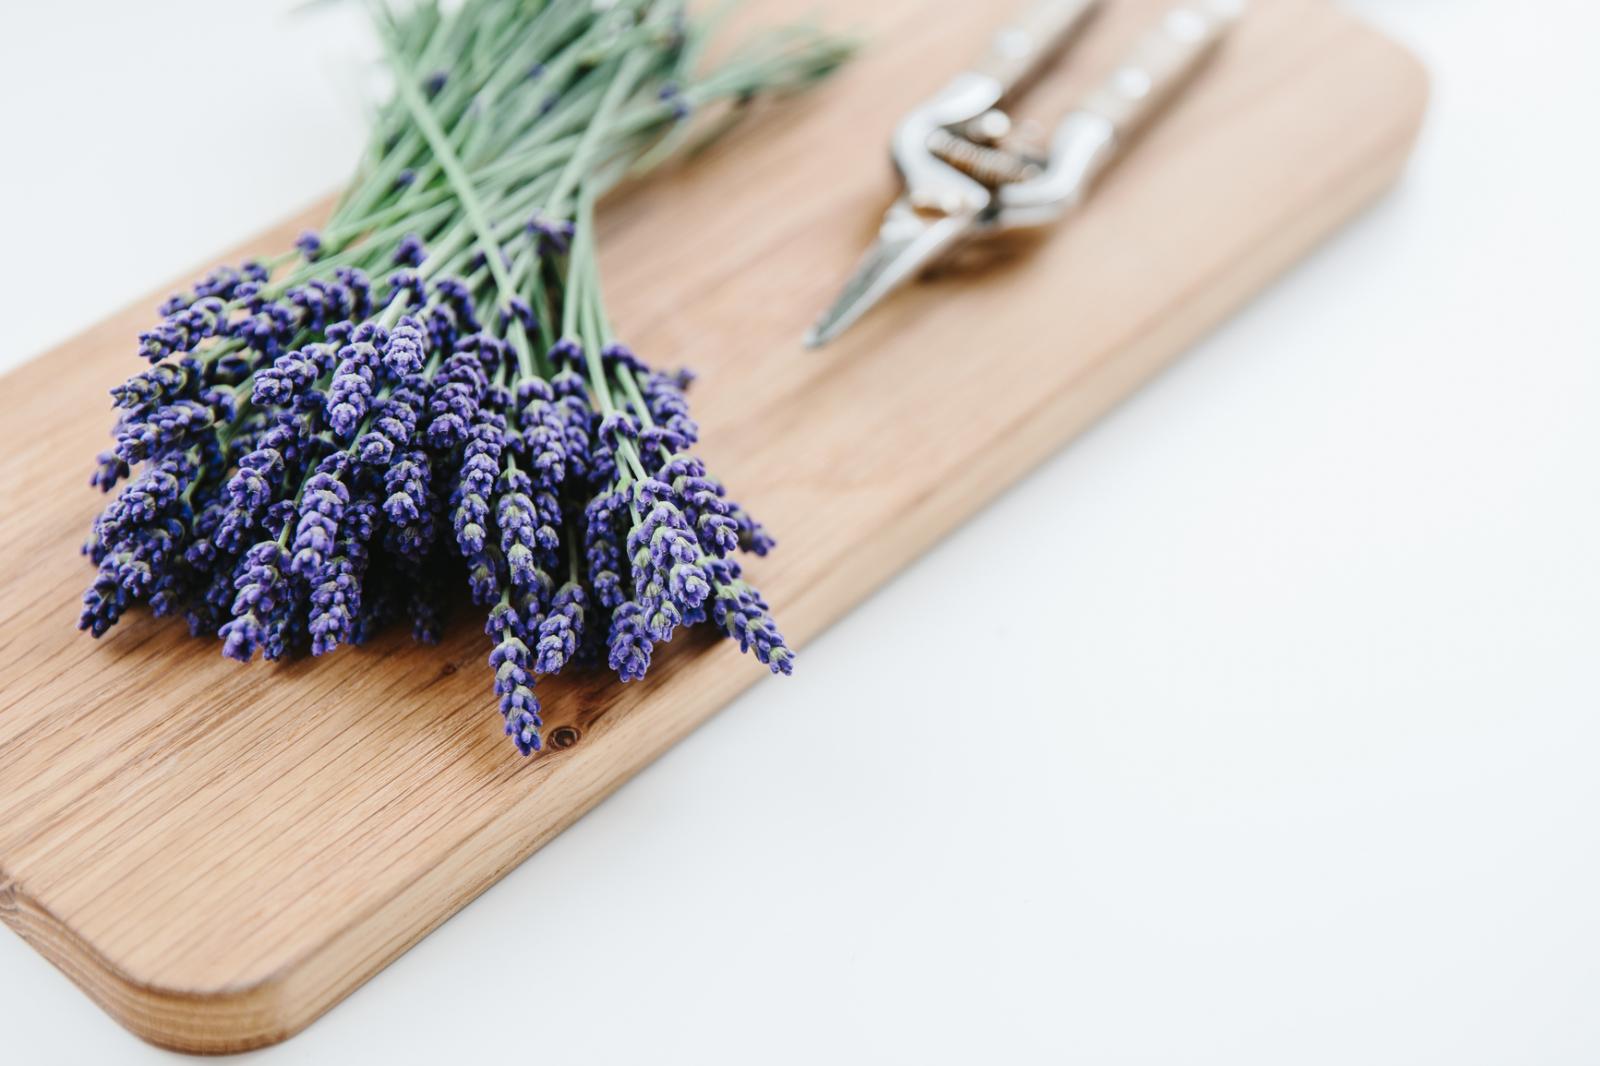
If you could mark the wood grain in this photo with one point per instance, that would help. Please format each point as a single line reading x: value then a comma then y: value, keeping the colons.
x: 218, y: 853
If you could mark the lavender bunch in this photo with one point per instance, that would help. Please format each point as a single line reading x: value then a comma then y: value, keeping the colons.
x: 426, y: 396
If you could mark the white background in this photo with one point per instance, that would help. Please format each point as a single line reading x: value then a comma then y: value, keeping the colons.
x: 1261, y: 726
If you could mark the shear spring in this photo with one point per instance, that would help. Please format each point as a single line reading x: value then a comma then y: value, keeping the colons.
x: 989, y: 166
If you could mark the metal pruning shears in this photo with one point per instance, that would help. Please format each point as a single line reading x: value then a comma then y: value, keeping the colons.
x: 962, y: 180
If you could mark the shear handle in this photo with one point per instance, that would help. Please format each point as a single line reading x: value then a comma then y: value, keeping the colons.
x: 1098, y: 131
x: 1020, y: 49
x: 1162, y: 63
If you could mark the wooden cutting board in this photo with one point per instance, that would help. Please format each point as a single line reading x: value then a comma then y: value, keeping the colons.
x: 218, y: 853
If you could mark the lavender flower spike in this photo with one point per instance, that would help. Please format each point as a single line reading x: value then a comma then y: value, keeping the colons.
x: 262, y: 588
x: 518, y: 704
x: 740, y: 612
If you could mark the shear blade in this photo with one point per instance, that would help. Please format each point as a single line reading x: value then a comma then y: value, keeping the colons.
x: 908, y: 243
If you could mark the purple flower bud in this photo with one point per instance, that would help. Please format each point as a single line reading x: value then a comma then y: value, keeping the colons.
x: 453, y: 406
x: 109, y: 469
x: 672, y: 95
x: 521, y: 311
x: 336, y: 597
x: 513, y: 685
x: 453, y: 293
x: 551, y: 236
x: 620, y: 355
x: 322, y: 508
x: 527, y: 540
x: 753, y: 536
x: 740, y: 612
x: 262, y: 589
x: 480, y: 470
x: 629, y: 645
x: 103, y: 604
x: 409, y: 504
x: 408, y: 283
x: 290, y: 375
x: 351, y: 391
x: 576, y: 416
x: 144, y: 435
x: 567, y: 354
x: 602, y: 548
x: 669, y: 410
x: 410, y: 251
x: 485, y: 578
x: 544, y: 432
x: 162, y: 383
x: 562, y: 629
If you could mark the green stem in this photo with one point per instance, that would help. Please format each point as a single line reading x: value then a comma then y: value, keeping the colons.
x: 454, y: 171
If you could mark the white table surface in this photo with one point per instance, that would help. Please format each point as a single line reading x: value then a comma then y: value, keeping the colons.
x: 1258, y: 727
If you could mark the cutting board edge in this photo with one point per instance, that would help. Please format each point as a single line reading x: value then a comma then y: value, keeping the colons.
x: 273, y: 1009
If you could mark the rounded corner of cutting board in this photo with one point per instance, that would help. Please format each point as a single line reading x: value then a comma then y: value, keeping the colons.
x: 196, y: 1019
x: 1411, y: 84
